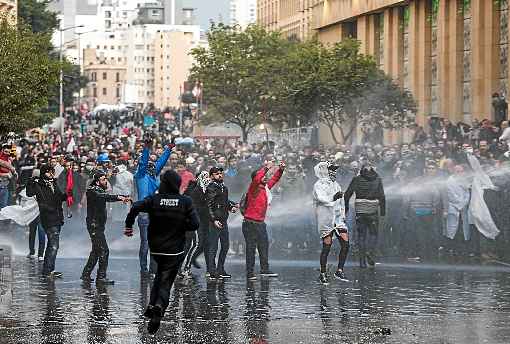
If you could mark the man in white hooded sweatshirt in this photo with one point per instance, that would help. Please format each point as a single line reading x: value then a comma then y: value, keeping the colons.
x: 330, y: 211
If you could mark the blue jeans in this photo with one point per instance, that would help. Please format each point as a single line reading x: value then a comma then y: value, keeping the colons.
x: 50, y: 255
x: 4, y: 197
x: 216, y: 234
x: 143, y: 225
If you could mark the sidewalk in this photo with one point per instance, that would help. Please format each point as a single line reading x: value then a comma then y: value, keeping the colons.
x: 5, y: 279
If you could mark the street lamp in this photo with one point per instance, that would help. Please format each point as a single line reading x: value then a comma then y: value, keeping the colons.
x: 61, y: 80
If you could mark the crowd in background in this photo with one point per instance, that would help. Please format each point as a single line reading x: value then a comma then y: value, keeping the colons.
x: 415, y: 175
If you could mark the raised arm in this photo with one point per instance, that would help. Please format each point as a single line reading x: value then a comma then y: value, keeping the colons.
x: 143, y: 162
x: 163, y: 159
x: 276, y: 177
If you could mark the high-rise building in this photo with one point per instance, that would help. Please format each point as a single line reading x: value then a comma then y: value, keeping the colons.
x: 452, y: 55
x: 243, y: 12
x: 294, y: 18
x: 157, y: 61
x: 9, y: 9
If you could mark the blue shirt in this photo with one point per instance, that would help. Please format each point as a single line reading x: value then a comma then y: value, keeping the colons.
x: 146, y: 184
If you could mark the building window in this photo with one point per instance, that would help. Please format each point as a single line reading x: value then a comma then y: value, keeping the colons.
x: 118, y: 92
x: 94, y: 92
x: 104, y: 92
x: 94, y: 76
x: 105, y: 76
x: 108, y: 24
x: 155, y: 13
x: 107, y: 14
x: 117, y: 77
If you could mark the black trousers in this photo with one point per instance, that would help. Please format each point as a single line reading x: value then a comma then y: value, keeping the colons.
x: 99, y: 253
x: 255, y: 235
x: 35, y: 228
x: 214, y: 235
x: 203, y: 240
x: 168, y: 267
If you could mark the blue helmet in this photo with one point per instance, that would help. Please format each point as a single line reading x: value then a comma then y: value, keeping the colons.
x: 102, y: 158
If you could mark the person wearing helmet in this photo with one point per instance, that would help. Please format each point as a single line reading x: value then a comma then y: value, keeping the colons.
x: 370, y: 203
x: 96, y: 220
x: 330, y: 212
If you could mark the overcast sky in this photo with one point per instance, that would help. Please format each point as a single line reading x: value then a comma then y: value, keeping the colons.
x: 207, y: 10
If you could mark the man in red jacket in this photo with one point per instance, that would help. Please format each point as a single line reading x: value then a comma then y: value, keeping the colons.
x: 254, y: 227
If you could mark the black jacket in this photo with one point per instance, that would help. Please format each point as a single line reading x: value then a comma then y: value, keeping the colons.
x: 367, y: 185
x: 197, y: 195
x: 96, y: 204
x: 49, y: 201
x: 170, y: 216
x: 217, y: 202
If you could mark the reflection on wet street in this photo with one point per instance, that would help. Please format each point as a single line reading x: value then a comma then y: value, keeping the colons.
x: 393, y: 304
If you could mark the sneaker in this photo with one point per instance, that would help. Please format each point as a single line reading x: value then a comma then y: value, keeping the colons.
x: 251, y: 276
x: 213, y: 277
x: 187, y: 273
x: 224, y: 275
x: 268, y: 273
x: 340, y: 275
x: 104, y: 281
x: 148, y: 312
x: 155, y: 321
x: 54, y: 274
x: 41, y: 259
x: 86, y: 278
x: 323, y: 278
x: 370, y: 261
x: 31, y: 256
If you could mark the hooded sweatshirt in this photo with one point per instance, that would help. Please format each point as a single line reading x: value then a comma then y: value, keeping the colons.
x: 257, y: 197
x: 170, y: 216
x: 369, y: 191
x: 330, y: 213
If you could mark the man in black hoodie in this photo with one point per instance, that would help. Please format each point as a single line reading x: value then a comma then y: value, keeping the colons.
x: 170, y: 216
x: 49, y: 199
x: 370, y: 203
x: 96, y: 220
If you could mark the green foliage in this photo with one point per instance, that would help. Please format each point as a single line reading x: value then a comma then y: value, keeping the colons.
x: 27, y: 76
x: 257, y: 76
x: 35, y: 14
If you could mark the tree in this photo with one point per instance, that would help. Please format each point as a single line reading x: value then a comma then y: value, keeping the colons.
x: 28, y: 75
x: 36, y: 15
x: 246, y: 77
x: 353, y: 92
x: 73, y: 82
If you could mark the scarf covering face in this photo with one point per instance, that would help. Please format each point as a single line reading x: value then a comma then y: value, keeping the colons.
x: 203, y: 180
x: 49, y: 182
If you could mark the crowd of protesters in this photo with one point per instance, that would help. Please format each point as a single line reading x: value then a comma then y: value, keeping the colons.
x: 423, y: 180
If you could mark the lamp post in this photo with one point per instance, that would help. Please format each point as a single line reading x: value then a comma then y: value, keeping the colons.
x: 61, y: 79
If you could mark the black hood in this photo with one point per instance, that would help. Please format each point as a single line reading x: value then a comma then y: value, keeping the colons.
x: 368, y: 174
x: 170, y: 183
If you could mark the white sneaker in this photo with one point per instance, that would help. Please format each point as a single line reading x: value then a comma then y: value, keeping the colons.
x: 41, y: 259
x: 31, y: 256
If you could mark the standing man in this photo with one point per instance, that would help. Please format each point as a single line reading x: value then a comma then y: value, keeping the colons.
x: 147, y: 182
x: 49, y: 199
x: 171, y: 215
x: 7, y: 171
x: 219, y: 207
x: 370, y: 203
x: 330, y: 213
x: 96, y: 220
x: 254, y: 227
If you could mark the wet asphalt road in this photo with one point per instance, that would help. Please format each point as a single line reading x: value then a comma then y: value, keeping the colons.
x: 418, y: 303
